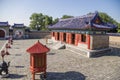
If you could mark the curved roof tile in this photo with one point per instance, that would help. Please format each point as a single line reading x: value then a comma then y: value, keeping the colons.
x: 81, y: 23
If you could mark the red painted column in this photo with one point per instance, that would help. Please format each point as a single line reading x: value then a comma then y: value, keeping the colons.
x: 62, y: 38
x: 55, y: 35
x: 80, y: 38
x: 76, y: 39
x: 70, y: 38
x: 88, y: 41
x: 33, y: 76
x: 67, y: 38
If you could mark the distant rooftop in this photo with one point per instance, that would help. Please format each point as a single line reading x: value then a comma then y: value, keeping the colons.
x: 18, y: 25
x: 4, y: 24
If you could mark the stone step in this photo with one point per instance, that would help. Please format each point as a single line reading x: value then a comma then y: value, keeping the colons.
x: 58, y: 45
x: 88, y: 53
x: 77, y: 50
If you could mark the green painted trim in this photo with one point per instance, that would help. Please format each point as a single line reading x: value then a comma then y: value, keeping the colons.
x: 81, y: 31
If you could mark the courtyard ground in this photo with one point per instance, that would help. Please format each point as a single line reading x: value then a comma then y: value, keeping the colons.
x: 63, y: 64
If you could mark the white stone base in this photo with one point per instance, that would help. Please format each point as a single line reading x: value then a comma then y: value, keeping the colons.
x: 95, y: 53
x: 86, y: 52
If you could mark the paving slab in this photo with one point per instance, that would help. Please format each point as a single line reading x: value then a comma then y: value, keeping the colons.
x: 63, y: 64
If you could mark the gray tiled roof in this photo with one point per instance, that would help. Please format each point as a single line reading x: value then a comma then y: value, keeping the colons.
x: 18, y: 25
x: 82, y: 22
x: 4, y: 24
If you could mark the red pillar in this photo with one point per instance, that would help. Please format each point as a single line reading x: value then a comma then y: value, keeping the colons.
x: 77, y: 36
x: 70, y: 38
x: 67, y: 37
x: 80, y: 38
x: 88, y: 41
x: 55, y: 35
x: 62, y: 37
x: 33, y: 76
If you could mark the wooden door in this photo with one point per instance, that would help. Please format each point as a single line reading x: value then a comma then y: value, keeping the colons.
x: 2, y: 34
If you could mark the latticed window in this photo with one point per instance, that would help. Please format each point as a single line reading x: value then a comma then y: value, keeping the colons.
x: 83, y: 38
x: 64, y: 37
x: 39, y: 61
x: 53, y: 33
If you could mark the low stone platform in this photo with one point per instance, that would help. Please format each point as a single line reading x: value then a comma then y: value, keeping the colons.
x: 86, y: 52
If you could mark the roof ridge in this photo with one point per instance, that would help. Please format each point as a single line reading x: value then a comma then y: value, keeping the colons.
x: 83, y: 16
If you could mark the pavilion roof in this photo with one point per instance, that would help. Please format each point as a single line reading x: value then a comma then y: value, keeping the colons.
x: 37, y: 48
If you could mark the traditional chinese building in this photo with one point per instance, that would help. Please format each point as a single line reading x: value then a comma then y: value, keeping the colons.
x: 4, y: 29
x: 18, y: 31
x: 87, y: 33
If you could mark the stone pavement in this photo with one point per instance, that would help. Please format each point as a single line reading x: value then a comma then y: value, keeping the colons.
x: 63, y: 64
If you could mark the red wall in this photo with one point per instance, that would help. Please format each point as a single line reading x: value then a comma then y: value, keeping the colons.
x: 61, y: 36
x: 88, y: 41
x: 69, y: 38
x: 77, y: 39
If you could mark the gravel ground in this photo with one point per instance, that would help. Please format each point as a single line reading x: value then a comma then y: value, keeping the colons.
x: 2, y: 43
x: 63, y: 64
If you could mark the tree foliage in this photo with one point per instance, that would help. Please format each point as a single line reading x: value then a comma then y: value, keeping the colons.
x: 66, y: 16
x: 118, y: 28
x: 39, y: 21
x: 106, y: 18
x: 55, y: 20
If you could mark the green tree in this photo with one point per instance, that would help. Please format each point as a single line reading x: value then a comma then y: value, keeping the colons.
x: 118, y: 28
x: 36, y: 21
x: 63, y: 17
x: 66, y: 16
x: 39, y: 21
x: 55, y: 20
x: 48, y: 21
x: 108, y: 19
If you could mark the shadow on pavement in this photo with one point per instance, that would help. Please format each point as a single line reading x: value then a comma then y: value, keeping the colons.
x: 15, y: 76
x: 115, y: 51
x: 19, y: 66
x: 51, y: 53
x: 71, y: 75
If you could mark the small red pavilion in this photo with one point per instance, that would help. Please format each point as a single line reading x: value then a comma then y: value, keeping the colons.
x: 38, y: 57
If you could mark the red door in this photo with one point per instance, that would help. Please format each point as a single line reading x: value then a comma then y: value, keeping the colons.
x: 2, y: 34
